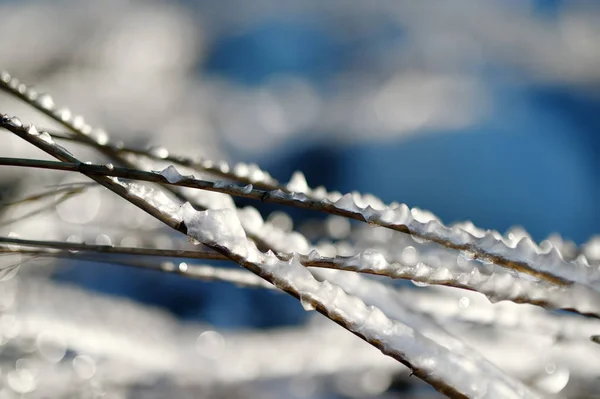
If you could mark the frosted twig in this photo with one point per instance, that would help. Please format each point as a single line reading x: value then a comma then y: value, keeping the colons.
x: 397, y: 339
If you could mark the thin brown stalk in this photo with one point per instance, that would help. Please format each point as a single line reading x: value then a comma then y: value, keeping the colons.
x: 66, y: 249
x: 64, y: 194
x: 185, y: 269
x: 109, y: 249
x: 180, y: 160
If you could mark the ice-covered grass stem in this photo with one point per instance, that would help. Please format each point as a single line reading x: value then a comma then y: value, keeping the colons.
x: 442, y: 362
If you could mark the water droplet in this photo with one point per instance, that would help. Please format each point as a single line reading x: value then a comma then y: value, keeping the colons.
x: 462, y: 260
x: 31, y: 94
x: 32, y: 130
x: 13, y: 83
x: 15, y: 121
x: 337, y: 227
x: 419, y: 283
x: 74, y: 239
x: 84, y: 367
x: 172, y: 174
x: 159, y: 152
x: 281, y: 220
x: 86, y: 129
x: 101, y: 136
x: 51, y: 346
x: 410, y: 256
x: 10, y: 326
x: 22, y: 88
x: 80, y: 209
x: 464, y: 302
x: 167, y: 266
x: 45, y: 136
x: 247, y: 189
x: 64, y: 114
x: 5, y: 76
x: 103, y: 239
x: 255, y: 174
x: 298, y: 183
x: 78, y: 122
x: 45, y: 101
x: 553, y: 380
x: 183, y: 267
x: 241, y: 170
x: 129, y: 241
x: 223, y: 167
x: 110, y: 166
x: 210, y: 344
x: 21, y: 381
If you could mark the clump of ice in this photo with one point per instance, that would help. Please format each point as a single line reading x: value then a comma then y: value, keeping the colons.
x: 172, y: 174
x: 216, y: 227
x: 223, y: 227
x: 298, y: 183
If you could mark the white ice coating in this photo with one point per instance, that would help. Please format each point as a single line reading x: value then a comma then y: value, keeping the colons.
x: 157, y: 198
x: 172, y: 174
x: 208, y: 199
x: 591, y: 249
x: 489, y: 244
x: 216, y: 226
x: 298, y: 183
x: 431, y: 263
x: 396, y: 338
x: 513, y: 247
x: 252, y: 172
x: 281, y: 241
x: 387, y: 299
x: 444, y: 305
x: 496, y: 286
